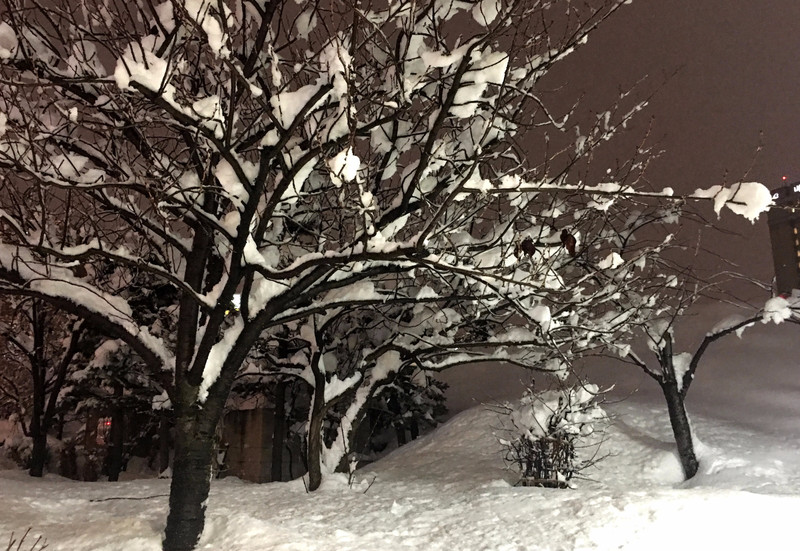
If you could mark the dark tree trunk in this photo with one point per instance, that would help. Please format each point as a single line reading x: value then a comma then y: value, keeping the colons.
x: 191, y: 482
x: 278, y: 432
x: 39, y: 452
x: 117, y: 437
x: 400, y: 431
x: 60, y: 426
x: 39, y: 426
x: 413, y: 428
x: 399, y: 423
x: 163, y: 443
x: 681, y: 428
x: 315, y: 442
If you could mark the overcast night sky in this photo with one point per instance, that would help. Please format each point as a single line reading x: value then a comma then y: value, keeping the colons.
x: 737, y: 86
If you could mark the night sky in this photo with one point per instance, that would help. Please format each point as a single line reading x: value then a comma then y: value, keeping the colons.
x: 737, y: 86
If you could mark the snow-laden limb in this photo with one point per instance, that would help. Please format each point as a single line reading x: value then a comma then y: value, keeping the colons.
x: 748, y: 199
x: 387, y: 364
x: 216, y: 358
x: 33, y: 276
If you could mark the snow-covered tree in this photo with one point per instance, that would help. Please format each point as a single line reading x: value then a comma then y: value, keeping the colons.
x: 116, y: 383
x: 674, y: 371
x: 310, y: 157
x: 46, y: 344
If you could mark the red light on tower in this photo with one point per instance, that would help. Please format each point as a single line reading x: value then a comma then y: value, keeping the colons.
x: 783, y: 178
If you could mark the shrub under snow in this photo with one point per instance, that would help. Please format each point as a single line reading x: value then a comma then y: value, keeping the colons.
x: 545, y: 432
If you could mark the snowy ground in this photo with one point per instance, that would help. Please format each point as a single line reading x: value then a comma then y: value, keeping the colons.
x: 449, y: 491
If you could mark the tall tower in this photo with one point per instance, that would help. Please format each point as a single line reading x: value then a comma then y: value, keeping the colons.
x: 784, y: 233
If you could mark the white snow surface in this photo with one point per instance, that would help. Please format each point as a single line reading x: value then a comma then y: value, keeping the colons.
x: 449, y: 490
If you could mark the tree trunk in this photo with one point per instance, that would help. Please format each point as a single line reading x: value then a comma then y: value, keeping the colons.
x: 117, y: 436
x: 681, y: 428
x: 115, y: 449
x: 39, y: 452
x: 400, y: 431
x: 278, y: 432
x: 60, y: 426
x: 315, y: 442
x: 191, y: 482
x: 398, y: 423
x: 163, y: 443
x: 414, y: 428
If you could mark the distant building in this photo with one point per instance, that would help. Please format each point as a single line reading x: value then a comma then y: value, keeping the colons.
x: 784, y: 233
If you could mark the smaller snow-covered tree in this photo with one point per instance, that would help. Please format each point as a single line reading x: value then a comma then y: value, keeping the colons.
x: 674, y: 372
x: 117, y: 383
x: 45, y: 343
x: 546, y: 430
x: 413, y: 399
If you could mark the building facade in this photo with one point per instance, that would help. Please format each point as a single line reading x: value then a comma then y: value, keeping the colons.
x: 784, y: 233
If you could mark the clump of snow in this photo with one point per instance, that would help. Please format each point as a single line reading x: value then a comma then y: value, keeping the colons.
x: 103, y: 354
x: 209, y: 108
x: 777, y: 310
x: 305, y: 23
x: 287, y: 105
x: 140, y: 64
x: 335, y: 61
x: 336, y: 386
x: 230, y: 182
x: 612, y: 261
x: 200, y: 11
x: 541, y: 314
x: 728, y: 323
x: 442, y: 60
x: 486, y: 11
x: 487, y: 67
x: 166, y: 15
x: 344, y: 167
x: 748, y: 199
x: 567, y: 410
x: 8, y: 41
x: 680, y: 364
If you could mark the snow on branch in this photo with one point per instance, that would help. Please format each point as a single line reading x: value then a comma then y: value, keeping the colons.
x: 748, y: 199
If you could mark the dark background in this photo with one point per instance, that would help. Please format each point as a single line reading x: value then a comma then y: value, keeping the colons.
x: 725, y: 75
x: 725, y: 79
